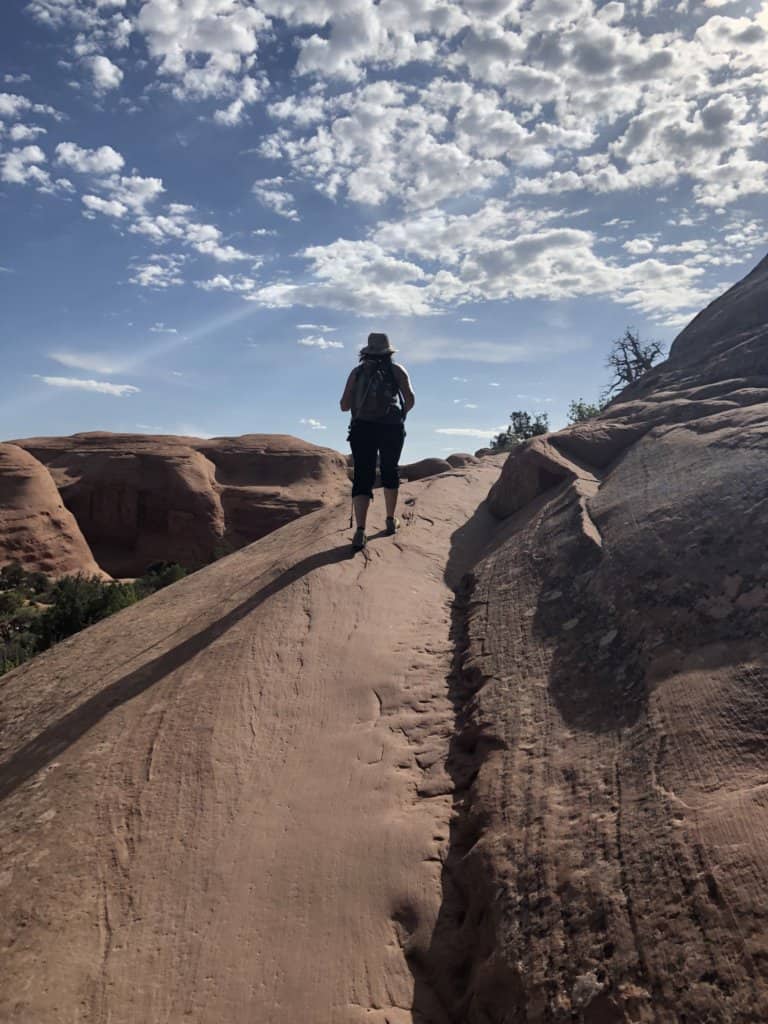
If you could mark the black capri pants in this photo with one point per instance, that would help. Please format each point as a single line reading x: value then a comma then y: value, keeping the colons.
x: 369, y: 439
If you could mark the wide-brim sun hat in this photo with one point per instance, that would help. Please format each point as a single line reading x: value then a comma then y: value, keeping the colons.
x: 378, y: 345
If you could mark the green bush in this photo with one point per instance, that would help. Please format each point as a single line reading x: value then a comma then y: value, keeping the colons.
x: 69, y: 605
x: 523, y: 427
x: 10, y: 602
x: 580, y: 411
x: 160, y: 575
x: 11, y: 575
x: 79, y: 601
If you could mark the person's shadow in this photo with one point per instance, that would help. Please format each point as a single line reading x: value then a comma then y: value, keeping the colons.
x: 53, y: 740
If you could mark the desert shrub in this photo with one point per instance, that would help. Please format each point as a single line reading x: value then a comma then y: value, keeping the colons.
x: 522, y: 427
x: 10, y: 602
x: 79, y: 601
x: 11, y: 575
x: 160, y: 575
x: 580, y: 411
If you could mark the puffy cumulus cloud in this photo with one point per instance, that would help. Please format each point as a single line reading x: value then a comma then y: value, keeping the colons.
x: 23, y: 166
x: 101, y: 387
x: 13, y: 106
x: 25, y: 132
x: 102, y: 160
x: 203, y: 46
x: 382, y: 142
x: 435, y: 235
x: 361, y: 33
x: 223, y: 283
x: 177, y: 223
x: 160, y: 271
x: 104, y: 74
x: 357, y: 276
x: 250, y: 90
x: 313, y: 424
x: 109, y: 207
x: 270, y: 193
x: 546, y: 262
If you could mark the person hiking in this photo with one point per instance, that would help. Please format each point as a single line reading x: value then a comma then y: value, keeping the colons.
x: 379, y: 395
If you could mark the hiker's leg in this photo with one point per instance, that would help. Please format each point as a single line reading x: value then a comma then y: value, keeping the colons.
x: 390, y: 501
x: 363, y: 442
x: 361, y: 504
x: 391, y: 442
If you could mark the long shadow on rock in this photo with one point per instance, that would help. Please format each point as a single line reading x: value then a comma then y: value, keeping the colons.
x: 446, y: 989
x: 584, y: 616
x: 51, y: 742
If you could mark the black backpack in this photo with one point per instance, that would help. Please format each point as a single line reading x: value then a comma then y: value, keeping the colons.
x: 376, y: 394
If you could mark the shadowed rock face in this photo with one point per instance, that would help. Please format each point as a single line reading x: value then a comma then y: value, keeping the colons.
x: 140, y: 499
x: 611, y: 849
x: 35, y: 527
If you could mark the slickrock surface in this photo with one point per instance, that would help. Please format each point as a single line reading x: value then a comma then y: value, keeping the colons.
x: 424, y: 468
x: 140, y: 499
x: 300, y: 787
x: 35, y: 527
x: 229, y: 803
x: 612, y: 852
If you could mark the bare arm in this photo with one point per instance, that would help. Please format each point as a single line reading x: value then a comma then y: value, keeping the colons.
x: 405, y: 386
x: 346, y: 398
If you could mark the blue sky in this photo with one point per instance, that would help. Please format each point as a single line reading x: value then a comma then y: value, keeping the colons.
x: 207, y: 204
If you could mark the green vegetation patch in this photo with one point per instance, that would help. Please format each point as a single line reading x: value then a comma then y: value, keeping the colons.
x: 36, y: 612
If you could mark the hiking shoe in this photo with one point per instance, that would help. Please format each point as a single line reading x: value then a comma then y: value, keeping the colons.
x: 393, y: 525
x: 359, y: 540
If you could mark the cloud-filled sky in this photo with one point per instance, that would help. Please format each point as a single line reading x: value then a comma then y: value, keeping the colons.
x: 207, y: 204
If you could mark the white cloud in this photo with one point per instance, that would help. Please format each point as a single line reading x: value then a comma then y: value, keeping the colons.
x: 160, y: 328
x: 160, y: 271
x: 23, y: 165
x: 638, y: 246
x: 104, y: 73
x: 25, y: 132
x: 479, y: 432
x: 109, y: 207
x: 323, y: 328
x: 102, y: 387
x: 102, y: 160
x: 177, y: 223
x: 222, y: 283
x: 314, y: 424
x: 251, y: 90
x: 319, y: 342
x: 270, y: 193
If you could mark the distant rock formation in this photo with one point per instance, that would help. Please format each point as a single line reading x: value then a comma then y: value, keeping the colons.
x: 140, y: 499
x: 35, y: 527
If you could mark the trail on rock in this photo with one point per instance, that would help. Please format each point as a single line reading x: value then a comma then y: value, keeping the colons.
x: 230, y: 802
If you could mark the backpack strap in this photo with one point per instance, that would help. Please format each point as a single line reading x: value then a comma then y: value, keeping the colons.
x: 398, y: 391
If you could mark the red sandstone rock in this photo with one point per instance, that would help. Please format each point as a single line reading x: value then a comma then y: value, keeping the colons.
x: 424, y: 468
x: 461, y: 459
x: 35, y: 527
